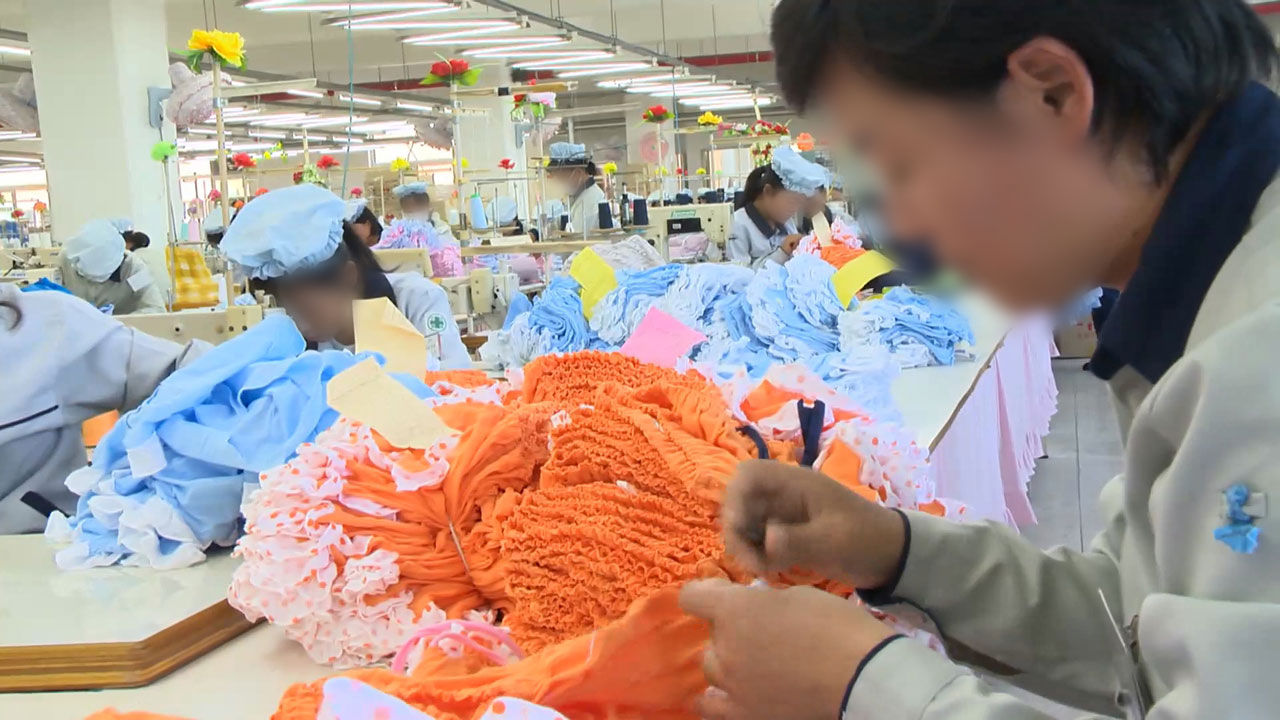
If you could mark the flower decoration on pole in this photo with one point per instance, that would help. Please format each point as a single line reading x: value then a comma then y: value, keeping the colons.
x: 237, y: 204
x: 260, y: 192
x: 309, y: 174
x: 40, y: 206
x: 709, y: 119
x: 224, y: 47
x: 805, y: 142
x: 326, y: 162
x: 454, y: 71
x: 162, y: 151
x: 657, y: 115
x: 507, y: 164
x: 680, y: 172
x: 17, y: 214
x: 357, y: 192
x: 609, y: 168
x: 214, y: 195
x: 701, y: 171
x: 537, y: 104
x: 243, y: 161
x: 399, y: 165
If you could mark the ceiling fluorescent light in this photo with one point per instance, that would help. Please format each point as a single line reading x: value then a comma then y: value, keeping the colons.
x: 357, y: 21
x: 734, y: 104
x: 667, y: 87
x: 353, y: 7
x: 640, y: 80
x: 19, y: 168
x: 379, y: 126
x: 305, y: 93
x: 532, y: 41
x: 268, y: 134
x: 566, y: 63
x: 273, y: 117
x: 605, y: 69
x: 420, y: 107
x: 18, y: 158
x: 326, y: 121
x: 359, y: 100
x: 264, y: 4
x: 15, y: 50
x: 552, y: 55
x: 466, y: 32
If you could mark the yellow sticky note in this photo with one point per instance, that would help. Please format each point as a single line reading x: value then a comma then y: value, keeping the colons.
x: 365, y: 393
x: 822, y: 229
x: 595, y: 276
x: 856, y: 273
x: 382, y: 328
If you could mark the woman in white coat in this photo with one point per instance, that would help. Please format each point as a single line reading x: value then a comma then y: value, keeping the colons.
x: 573, y: 171
x: 98, y: 269
x: 296, y: 244
x: 764, y: 229
x: 64, y: 362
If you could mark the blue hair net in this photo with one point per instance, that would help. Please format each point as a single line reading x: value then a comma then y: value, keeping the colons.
x: 797, y: 174
x: 96, y: 250
x: 413, y: 188
x: 506, y: 210
x: 121, y: 224
x: 355, y: 206
x: 285, y: 231
x: 568, y: 152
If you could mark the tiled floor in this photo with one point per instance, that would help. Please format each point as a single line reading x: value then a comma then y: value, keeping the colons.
x: 1083, y: 451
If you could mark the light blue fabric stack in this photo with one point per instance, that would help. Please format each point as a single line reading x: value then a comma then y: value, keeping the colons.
x: 167, y: 480
x: 917, y: 329
x: 554, y: 324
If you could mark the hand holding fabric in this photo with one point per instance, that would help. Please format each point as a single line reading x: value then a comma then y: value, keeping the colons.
x: 779, y: 653
x: 777, y: 517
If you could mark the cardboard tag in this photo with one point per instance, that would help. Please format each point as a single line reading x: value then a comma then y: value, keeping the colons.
x: 661, y: 339
x: 366, y: 393
x: 382, y: 328
x: 596, y: 278
x: 822, y: 229
x: 856, y: 273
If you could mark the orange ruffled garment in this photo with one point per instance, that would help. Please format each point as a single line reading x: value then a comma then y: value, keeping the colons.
x: 645, y: 666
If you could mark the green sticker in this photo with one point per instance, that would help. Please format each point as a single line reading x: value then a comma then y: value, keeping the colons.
x: 436, y: 323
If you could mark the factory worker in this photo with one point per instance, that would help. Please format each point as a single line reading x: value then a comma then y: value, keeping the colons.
x: 363, y: 222
x: 65, y: 362
x: 763, y: 229
x: 98, y: 269
x: 706, y: 196
x: 296, y: 244
x: 1044, y: 148
x: 213, y: 228
x: 135, y: 241
x: 507, y: 215
x: 415, y: 204
x: 572, y: 170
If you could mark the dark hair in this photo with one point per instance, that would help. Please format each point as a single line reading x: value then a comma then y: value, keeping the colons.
x: 137, y: 239
x: 759, y: 179
x: 327, y: 273
x: 589, y: 166
x: 1156, y: 65
x: 366, y: 216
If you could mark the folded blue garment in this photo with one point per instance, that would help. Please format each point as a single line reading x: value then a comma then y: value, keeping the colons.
x: 917, y: 329
x: 45, y: 284
x: 166, y: 481
x: 618, y: 314
x: 554, y: 324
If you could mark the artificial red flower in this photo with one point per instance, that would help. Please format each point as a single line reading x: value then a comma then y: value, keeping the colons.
x: 658, y: 110
x: 680, y: 171
x: 507, y: 164
x: 259, y: 192
x: 297, y: 177
x: 243, y: 161
x: 388, y: 218
x: 441, y: 69
x: 237, y: 204
x: 457, y: 66
x: 357, y: 192
x: 17, y: 213
x: 215, y: 195
x: 325, y: 162
x: 519, y: 98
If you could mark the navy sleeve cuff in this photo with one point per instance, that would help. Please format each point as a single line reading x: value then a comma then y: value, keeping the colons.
x: 848, y: 691
x: 883, y: 595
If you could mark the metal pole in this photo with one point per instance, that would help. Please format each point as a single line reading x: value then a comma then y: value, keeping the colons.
x: 222, y: 144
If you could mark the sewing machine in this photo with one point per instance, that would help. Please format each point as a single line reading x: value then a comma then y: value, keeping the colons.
x: 212, y: 326
x: 714, y: 220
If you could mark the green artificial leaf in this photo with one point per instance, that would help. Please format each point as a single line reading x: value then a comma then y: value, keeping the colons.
x: 470, y: 77
x: 431, y: 79
x: 162, y: 151
x: 539, y: 111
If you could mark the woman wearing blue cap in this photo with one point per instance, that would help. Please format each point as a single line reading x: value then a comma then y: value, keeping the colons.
x: 415, y: 204
x: 764, y: 228
x: 297, y: 244
x: 97, y: 268
x: 572, y: 169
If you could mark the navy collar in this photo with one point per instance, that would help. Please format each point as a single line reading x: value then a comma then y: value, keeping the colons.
x: 1207, y: 214
x: 762, y: 223
x: 377, y: 285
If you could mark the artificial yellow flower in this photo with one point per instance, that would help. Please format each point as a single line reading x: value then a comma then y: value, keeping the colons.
x: 609, y: 168
x: 709, y: 118
x: 663, y: 171
x: 465, y: 163
x: 226, y: 45
x: 546, y: 162
x: 399, y: 165
x: 701, y: 171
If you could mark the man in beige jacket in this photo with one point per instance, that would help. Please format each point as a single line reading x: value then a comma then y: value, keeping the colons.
x: 1046, y: 147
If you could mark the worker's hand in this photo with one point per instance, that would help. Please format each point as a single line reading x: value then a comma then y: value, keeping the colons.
x: 790, y: 242
x: 778, y: 653
x: 777, y: 517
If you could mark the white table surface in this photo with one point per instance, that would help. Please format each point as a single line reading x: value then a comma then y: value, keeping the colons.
x: 244, y: 679
x: 929, y: 397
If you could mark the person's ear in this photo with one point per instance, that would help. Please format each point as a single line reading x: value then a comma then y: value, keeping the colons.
x: 1053, y: 81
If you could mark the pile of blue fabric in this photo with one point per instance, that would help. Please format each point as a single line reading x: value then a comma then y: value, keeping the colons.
x: 918, y: 330
x: 554, y: 323
x: 167, y: 481
x: 616, y: 316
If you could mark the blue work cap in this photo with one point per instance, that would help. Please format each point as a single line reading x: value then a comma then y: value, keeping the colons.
x: 565, y: 154
x: 122, y: 225
x: 797, y: 174
x: 284, y: 231
x: 413, y: 188
x: 506, y: 210
x: 355, y: 206
x: 96, y: 250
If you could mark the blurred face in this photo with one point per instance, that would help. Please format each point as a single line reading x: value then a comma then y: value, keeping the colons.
x: 415, y: 204
x: 567, y: 180
x: 1016, y: 193
x: 322, y: 312
x: 780, y: 205
x: 364, y: 231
